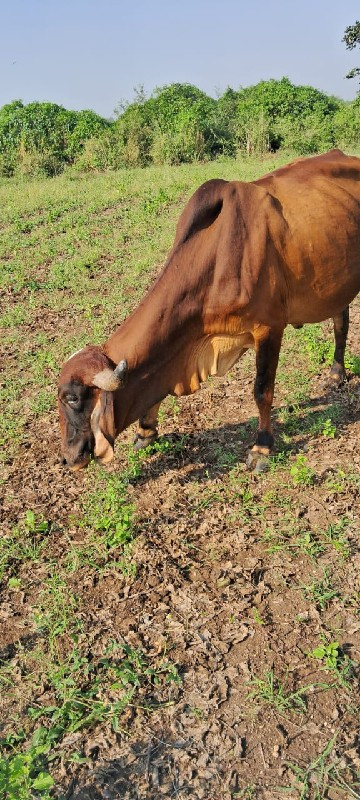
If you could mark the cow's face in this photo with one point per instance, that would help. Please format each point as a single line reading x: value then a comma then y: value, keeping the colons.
x: 86, y: 407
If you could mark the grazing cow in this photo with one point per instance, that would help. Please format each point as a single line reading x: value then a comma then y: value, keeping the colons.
x: 248, y: 259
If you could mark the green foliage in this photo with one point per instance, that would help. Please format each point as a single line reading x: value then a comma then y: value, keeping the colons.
x: 275, y: 114
x: 177, y: 124
x: 41, y: 138
x: 352, y: 39
x: 24, y: 543
x: 82, y: 703
x: 301, y: 473
x: 334, y: 660
x: 271, y: 691
x: 315, y: 781
x: 321, y: 591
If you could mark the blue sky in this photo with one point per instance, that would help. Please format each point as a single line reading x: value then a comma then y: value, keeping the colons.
x: 92, y: 53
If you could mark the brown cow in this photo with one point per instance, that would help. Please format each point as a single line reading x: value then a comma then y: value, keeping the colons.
x: 248, y: 259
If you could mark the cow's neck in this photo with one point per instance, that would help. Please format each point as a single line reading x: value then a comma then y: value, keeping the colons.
x: 155, y: 341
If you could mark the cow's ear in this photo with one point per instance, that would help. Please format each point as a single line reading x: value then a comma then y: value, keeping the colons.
x: 103, y: 427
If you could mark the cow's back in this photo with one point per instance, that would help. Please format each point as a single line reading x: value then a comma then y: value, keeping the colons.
x: 318, y: 239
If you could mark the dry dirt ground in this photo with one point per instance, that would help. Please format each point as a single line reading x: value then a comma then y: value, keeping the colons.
x: 248, y: 584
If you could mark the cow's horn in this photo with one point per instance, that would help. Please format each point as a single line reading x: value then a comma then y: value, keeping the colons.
x: 121, y: 371
x: 110, y: 380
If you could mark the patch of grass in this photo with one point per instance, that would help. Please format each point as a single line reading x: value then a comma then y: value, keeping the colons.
x: 320, y: 349
x: 291, y: 536
x: 321, y: 592
x: 335, y: 534
x: 334, y: 660
x: 83, y: 693
x: 327, y: 771
x: 271, y: 691
x: 137, y: 458
x: 302, y: 474
x: 108, y: 518
x: 340, y: 480
x: 23, y: 544
x: 55, y: 612
x: 352, y: 363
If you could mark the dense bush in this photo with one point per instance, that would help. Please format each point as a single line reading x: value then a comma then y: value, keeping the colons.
x: 178, y: 123
x: 43, y: 137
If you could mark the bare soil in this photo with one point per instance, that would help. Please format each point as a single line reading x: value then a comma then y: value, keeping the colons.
x: 210, y: 594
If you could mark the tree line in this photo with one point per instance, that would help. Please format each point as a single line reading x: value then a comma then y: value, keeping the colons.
x: 177, y: 123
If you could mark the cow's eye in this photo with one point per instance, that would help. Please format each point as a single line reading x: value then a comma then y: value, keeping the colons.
x: 72, y: 399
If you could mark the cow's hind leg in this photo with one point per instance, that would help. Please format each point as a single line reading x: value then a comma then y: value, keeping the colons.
x: 337, y: 372
x: 147, y: 430
x: 267, y: 356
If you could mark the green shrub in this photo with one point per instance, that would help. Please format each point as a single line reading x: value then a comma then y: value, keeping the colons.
x: 41, y: 138
x: 346, y: 123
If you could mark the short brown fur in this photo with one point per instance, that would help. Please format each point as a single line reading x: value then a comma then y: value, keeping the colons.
x: 248, y: 259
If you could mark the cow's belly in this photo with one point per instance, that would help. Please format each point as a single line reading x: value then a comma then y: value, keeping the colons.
x: 318, y: 302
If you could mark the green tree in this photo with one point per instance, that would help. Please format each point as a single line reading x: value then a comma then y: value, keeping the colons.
x: 352, y: 39
x: 43, y: 137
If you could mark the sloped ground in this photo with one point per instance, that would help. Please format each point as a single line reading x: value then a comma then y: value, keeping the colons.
x: 173, y: 626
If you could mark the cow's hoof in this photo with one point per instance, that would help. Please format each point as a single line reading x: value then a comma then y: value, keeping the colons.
x: 140, y: 442
x: 257, y: 462
x: 336, y: 379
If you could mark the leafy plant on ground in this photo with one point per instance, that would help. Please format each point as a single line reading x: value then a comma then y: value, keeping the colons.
x: 55, y: 612
x: 301, y: 473
x: 273, y: 692
x: 334, y: 660
x: 82, y: 702
x: 321, y: 591
x: 336, y: 536
x: 109, y: 516
x: 326, y: 771
x: 24, y: 542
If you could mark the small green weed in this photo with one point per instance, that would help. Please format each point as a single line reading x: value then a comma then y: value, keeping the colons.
x: 353, y: 364
x: 324, y: 773
x: 136, y: 458
x: 335, y: 661
x: 335, y: 535
x: 56, y: 609
x: 301, y: 473
x: 271, y: 691
x: 24, y: 543
x: 321, y: 592
x: 320, y: 350
x: 309, y: 543
x: 24, y: 775
x: 257, y: 617
x: 109, y: 515
x: 329, y: 429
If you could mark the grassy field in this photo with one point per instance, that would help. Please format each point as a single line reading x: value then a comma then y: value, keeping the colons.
x: 172, y: 626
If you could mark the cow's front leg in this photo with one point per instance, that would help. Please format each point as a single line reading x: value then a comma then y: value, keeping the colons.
x: 337, y: 372
x: 147, y: 430
x: 267, y: 355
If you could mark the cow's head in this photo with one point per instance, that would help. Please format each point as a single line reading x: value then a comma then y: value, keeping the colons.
x: 87, y: 382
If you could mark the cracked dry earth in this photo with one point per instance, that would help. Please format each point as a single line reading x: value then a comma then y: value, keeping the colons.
x: 223, y: 561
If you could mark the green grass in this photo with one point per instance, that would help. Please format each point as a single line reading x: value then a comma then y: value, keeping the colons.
x: 271, y: 691
x: 321, y: 591
x: 335, y: 661
x: 83, y: 690
x: 325, y: 772
x: 24, y: 544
